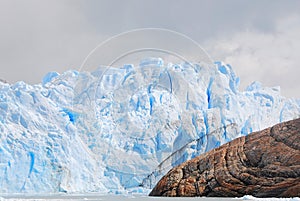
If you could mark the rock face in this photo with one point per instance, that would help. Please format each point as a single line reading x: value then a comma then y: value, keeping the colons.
x: 262, y: 164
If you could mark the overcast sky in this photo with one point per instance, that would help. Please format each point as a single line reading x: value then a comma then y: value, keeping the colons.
x: 259, y: 38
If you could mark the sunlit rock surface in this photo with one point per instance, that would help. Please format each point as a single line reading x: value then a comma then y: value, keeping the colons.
x: 262, y: 164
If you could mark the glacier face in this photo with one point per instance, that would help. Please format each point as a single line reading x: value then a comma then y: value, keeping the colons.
x: 118, y: 130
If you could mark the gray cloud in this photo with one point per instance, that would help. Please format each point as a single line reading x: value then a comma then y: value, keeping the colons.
x: 41, y: 36
x: 37, y: 37
x: 271, y: 58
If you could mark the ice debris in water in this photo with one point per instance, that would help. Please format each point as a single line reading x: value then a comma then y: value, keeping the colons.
x: 118, y: 130
x: 250, y: 197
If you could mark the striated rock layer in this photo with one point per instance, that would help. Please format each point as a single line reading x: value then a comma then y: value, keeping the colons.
x: 262, y: 164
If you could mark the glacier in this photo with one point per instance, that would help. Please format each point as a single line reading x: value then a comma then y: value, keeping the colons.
x: 119, y: 129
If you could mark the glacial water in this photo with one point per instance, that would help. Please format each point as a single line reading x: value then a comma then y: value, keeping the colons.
x: 132, y: 197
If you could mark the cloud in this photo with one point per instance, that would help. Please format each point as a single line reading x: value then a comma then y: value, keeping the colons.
x: 269, y: 57
x: 37, y: 37
x: 41, y: 36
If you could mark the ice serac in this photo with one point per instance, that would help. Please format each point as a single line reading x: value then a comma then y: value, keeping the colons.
x: 262, y: 164
x: 118, y: 130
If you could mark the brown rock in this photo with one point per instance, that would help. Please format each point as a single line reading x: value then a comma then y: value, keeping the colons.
x: 262, y: 164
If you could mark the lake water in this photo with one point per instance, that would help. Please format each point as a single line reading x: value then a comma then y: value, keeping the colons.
x: 94, y: 197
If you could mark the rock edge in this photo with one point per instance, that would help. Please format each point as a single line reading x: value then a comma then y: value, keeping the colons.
x: 262, y: 164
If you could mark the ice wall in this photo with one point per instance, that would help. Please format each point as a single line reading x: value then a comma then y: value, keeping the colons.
x: 119, y: 130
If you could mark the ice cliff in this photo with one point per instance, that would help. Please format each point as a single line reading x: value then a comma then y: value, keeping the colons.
x: 119, y: 129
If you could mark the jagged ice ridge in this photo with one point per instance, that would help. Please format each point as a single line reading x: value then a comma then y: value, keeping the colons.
x: 118, y: 130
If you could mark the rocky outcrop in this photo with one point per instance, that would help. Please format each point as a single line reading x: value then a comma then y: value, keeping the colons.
x: 262, y: 164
